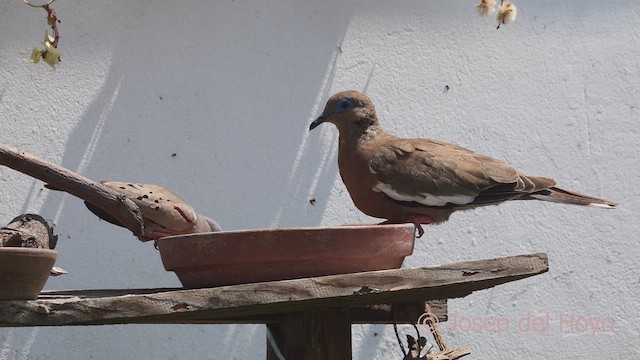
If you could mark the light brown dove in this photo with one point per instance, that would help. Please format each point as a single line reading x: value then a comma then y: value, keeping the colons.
x: 164, y: 213
x: 423, y: 181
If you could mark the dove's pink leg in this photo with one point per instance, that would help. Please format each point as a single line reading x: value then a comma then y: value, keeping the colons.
x: 417, y: 220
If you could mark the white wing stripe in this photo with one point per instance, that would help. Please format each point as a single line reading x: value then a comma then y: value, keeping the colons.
x: 425, y: 199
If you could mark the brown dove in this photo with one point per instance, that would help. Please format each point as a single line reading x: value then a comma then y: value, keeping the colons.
x: 423, y: 181
x: 164, y: 213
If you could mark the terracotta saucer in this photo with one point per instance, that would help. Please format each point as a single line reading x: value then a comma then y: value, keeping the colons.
x: 24, y: 271
x: 237, y: 257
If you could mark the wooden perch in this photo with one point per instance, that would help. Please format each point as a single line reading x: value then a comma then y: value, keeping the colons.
x: 308, y: 318
x: 276, y: 297
x: 59, y: 178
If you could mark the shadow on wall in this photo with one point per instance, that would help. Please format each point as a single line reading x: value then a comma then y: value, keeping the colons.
x: 211, y: 101
x: 221, y: 114
x: 215, y: 108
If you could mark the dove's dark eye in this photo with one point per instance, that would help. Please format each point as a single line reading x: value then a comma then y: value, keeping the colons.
x: 344, y: 105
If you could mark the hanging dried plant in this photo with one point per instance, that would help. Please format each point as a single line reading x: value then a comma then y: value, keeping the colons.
x: 486, y: 7
x: 507, y: 13
x: 50, y: 54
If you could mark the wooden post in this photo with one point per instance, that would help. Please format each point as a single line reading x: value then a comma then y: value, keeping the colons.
x: 277, y: 332
x: 323, y: 334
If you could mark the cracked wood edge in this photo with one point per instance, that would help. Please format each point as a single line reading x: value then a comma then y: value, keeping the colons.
x: 277, y: 297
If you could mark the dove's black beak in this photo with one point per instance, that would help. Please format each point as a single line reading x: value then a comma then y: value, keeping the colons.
x: 322, y: 118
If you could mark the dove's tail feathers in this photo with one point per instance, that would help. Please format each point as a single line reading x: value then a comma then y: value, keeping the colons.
x: 562, y: 196
x: 212, y: 226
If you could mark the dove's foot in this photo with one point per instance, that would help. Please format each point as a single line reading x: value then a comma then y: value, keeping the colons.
x: 419, y: 230
x: 416, y: 220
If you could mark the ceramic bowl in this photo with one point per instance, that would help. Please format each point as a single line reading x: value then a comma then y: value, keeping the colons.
x: 237, y: 257
x: 24, y: 271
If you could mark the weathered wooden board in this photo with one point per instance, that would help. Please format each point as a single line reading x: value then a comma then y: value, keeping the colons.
x: 278, y: 297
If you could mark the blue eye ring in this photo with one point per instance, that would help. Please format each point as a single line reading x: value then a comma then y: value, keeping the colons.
x: 343, y: 105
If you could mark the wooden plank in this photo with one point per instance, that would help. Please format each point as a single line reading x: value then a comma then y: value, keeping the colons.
x: 376, y: 287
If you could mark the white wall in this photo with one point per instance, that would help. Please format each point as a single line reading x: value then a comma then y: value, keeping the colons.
x: 231, y: 88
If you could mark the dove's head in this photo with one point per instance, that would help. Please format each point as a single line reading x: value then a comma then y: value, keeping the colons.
x: 348, y: 110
